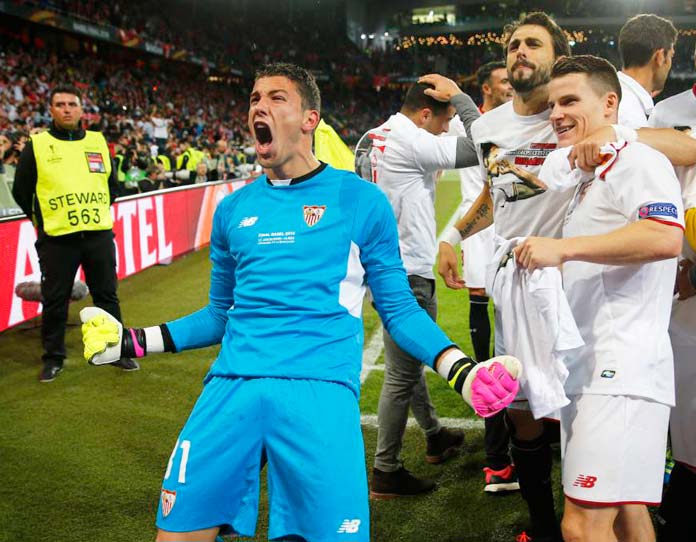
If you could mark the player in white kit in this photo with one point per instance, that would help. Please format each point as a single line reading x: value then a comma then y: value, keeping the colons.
x: 679, y: 523
x: 621, y: 236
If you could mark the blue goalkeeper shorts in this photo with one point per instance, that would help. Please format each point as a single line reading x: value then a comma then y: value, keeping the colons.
x: 309, y: 431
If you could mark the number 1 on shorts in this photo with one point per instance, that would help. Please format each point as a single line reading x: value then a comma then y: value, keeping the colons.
x: 185, y: 447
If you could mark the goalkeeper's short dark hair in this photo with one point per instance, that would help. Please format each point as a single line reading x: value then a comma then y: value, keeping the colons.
x: 642, y: 35
x: 600, y: 72
x: 416, y: 99
x: 483, y: 74
x: 303, y: 79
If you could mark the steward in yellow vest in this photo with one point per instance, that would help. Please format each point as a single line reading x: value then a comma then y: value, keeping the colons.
x: 65, y: 184
x: 164, y: 160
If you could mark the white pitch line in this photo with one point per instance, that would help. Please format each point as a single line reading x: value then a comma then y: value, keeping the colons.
x: 370, y: 420
x: 371, y: 353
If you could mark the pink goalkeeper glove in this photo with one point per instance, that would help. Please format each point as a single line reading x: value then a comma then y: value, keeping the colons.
x: 494, y: 385
x: 487, y: 387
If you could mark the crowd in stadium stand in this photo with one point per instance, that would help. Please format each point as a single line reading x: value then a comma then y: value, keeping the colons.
x: 134, y: 100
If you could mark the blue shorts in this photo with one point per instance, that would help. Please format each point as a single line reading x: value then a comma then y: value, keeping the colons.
x: 310, y: 433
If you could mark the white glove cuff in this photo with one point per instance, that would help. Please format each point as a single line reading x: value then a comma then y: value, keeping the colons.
x: 154, y: 339
x: 447, y: 360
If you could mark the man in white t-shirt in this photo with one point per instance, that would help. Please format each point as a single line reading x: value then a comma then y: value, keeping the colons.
x: 621, y: 236
x: 646, y: 43
x: 403, y: 156
x: 477, y: 253
x: 513, y: 139
x: 160, y: 129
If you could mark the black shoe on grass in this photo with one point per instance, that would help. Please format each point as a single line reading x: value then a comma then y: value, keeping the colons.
x: 127, y: 364
x: 400, y: 483
x: 49, y: 372
x: 443, y: 445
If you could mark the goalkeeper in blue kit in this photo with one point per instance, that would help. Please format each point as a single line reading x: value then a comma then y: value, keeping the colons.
x: 291, y: 254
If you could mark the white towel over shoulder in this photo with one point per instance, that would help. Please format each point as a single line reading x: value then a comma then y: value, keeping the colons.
x: 538, y: 327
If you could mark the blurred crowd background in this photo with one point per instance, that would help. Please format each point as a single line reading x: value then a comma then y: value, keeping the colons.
x: 168, y: 86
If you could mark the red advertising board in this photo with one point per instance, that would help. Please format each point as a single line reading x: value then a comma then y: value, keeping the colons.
x: 149, y: 229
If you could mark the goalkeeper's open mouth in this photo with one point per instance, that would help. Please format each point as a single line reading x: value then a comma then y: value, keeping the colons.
x: 264, y: 137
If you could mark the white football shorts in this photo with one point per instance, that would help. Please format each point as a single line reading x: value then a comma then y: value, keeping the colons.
x: 613, y: 449
x: 478, y: 252
x: 682, y: 424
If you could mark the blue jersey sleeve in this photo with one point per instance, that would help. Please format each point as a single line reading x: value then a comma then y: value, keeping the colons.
x: 207, y: 326
x: 408, y: 324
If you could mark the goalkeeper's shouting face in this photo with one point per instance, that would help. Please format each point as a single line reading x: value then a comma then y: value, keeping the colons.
x: 283, y: 113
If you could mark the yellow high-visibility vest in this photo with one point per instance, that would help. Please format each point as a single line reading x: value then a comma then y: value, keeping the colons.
x: 330, y: 148
x: 72, y: 185
x: 120, y: 175
x: 192, y: 159
x: 164, y: 160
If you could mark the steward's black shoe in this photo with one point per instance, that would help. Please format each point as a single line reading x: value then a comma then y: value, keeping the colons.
x: 49, y: 372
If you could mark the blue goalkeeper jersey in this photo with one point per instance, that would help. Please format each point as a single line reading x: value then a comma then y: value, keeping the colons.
x: 290, y: 266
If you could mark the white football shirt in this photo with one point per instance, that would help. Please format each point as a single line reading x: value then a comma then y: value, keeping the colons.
x: 623, y: 311
x: 677, y: 110
x: 636, y: 103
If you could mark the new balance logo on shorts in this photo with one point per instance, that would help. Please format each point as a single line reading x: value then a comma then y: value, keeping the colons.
x: 349, y: 526
x: 585, y: 480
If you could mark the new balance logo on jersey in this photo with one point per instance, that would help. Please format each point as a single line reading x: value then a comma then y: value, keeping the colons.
x: 248, y: 221
x: 349, y: 526
x: 585, y: 480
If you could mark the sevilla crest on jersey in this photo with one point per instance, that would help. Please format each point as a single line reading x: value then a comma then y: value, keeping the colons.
x: 313, y: 214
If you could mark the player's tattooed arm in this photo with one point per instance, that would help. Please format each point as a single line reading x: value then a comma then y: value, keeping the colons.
x: 479, y: 216
x: 483, y: 213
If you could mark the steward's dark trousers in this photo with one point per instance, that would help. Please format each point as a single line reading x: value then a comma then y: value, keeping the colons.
x: 59, y: 259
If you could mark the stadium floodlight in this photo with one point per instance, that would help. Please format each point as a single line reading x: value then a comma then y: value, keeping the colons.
x: 363, y: 36
x: 372, y: 36
x: 386, y: 34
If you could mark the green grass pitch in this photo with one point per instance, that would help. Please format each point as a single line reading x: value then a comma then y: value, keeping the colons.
x: 82, y: 458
